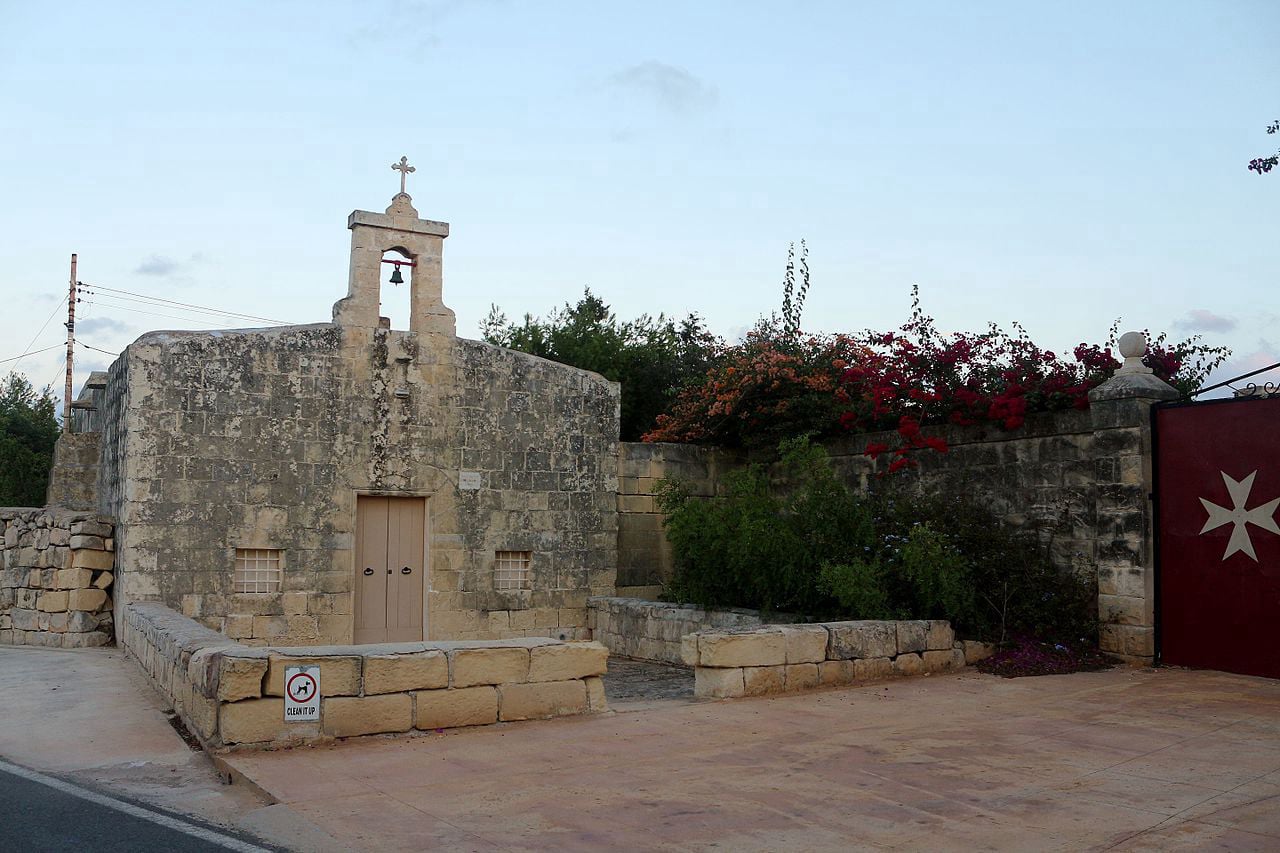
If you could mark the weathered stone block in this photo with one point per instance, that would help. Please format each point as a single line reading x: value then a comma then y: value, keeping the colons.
x: 941, y: 660
x: 348, y: 716
x: 975, y: 651
x: 689, y: 649
x: 251, y: 721
x: 241, y: 678
x: 239, y: 627
x: 104, y: 580
x: 52, y: 602
x: 802, y: 676
x: 872, y: 669
x: 908, y: 664
x: 939, y: 635
x: 861, y: 639
x: 763, y: 680
x: 533, y: 701
x: 92, y: 543
x: 749, y: 648
x: 25, y: 620
x: 711, y: 683
x: 73, y: 578
x: 92, y: 559
x: 913, y: 635
x: 86, y: 599
x: 572, y: 660
x: 836, y: 672
x: 339, y: 676
x: 446, y: 709
x: 81, y: 621
x: 471, y: 667
x: 401, y: 673
x: 806, y: 643
x: 91, y: 528
x: 57, y: 622
x: 596, y: 700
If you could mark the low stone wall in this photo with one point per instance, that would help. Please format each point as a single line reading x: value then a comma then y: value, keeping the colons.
x: 652, y: 630
x: 231, y: 695
x: 778, y: 658
x: 55, y: 578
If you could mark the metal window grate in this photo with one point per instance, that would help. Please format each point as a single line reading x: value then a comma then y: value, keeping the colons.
x: 511, y: 570
x: 257, y: 570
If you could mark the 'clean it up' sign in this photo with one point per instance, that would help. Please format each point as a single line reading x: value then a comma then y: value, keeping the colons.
x: 301, y: 694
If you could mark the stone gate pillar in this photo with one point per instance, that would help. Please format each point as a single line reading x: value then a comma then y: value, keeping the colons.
x: 1121, y: 410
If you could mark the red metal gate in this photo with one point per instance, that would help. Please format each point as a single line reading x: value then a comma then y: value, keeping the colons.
x: 1218, y: 540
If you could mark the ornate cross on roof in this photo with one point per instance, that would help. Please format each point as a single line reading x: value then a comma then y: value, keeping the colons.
x: 404, y: 169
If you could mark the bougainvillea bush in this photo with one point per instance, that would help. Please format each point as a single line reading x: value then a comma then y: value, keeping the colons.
x: 781, y: 382
x: 795, y: 539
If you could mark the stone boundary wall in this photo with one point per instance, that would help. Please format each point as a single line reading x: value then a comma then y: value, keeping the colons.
x: 55, y: 578
x: 787, y: 658
x: 644, y: 554
x: 653, y: 630
x: 231, y: 695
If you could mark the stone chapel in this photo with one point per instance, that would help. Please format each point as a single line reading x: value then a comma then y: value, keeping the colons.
x: 348, y: 482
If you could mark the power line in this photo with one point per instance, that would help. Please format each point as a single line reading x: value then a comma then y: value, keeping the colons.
x: 96, y: 349
x: 61, y: 302
x: 220, y: 316
x: 187, y: 305
x: 61, y: 367
x: 202, y: 321
x: 30, y: 352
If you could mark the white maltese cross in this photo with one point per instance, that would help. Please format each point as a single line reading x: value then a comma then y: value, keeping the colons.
x: 1263, y: 516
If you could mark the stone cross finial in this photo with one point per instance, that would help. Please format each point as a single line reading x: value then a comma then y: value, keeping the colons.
x: 1133, y: 346
x: 404, y: 169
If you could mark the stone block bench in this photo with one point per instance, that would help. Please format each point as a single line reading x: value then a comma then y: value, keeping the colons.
x: 784, y: 658
x: 231, y: 695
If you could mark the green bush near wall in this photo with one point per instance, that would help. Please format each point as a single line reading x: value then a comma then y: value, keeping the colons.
x: 795, y: 539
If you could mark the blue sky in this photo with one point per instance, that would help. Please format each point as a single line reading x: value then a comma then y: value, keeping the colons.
x: 1062, y: 165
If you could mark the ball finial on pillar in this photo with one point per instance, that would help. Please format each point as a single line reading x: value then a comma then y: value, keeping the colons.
x: 1133, y: 346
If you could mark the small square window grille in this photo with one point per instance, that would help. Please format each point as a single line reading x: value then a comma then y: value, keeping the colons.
x: 257, y: 570
x: 511, y: 570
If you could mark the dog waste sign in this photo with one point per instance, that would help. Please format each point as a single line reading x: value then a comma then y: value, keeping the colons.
x: 301, y: 693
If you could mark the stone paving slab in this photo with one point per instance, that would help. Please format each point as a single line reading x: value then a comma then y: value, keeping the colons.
x: 1123, y: 759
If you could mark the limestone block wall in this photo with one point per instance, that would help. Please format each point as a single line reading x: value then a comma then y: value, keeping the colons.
x: 778, y: 658
x: 265, y: 439
x: 231, y: 695
x: 644, y: 555
x: 55, y: 578
x: 653, y: 630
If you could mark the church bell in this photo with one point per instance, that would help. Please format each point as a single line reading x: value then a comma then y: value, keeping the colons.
x: 396, y: 278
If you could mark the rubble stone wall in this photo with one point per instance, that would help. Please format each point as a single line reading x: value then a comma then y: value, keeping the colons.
x: 787, y: 658
x: 231, y: 695
x: 55, y: 578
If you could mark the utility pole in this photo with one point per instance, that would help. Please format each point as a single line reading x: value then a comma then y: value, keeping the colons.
x: 71, y: 346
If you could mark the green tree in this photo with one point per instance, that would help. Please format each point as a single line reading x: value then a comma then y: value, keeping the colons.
x: 28, y: 432
x: 653, y: 357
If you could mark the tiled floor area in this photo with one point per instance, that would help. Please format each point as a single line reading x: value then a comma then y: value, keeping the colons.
x: 1123, y: 759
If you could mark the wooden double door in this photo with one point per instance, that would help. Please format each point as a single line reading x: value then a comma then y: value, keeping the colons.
x: 391, y: 569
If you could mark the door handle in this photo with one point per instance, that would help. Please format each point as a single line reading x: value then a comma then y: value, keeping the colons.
x: 406, y: 571
x: 368, y: 571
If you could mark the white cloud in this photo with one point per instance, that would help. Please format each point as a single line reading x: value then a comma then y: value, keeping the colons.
x: 672, y: 88
x: 1204, y: 320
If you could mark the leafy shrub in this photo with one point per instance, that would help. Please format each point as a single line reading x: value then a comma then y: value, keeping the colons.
x: 796, y: 539
x: 653, y: 357
x: 28, y: 433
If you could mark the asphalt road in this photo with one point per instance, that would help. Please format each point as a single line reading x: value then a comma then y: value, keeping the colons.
x: 36, y: 816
